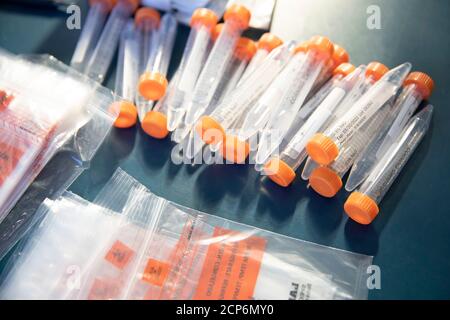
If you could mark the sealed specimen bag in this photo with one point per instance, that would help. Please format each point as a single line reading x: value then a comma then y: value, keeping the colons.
x: 49, y: 114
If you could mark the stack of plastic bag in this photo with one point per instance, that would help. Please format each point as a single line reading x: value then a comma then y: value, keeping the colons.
x: 155, y: 249
x: 46, y: 109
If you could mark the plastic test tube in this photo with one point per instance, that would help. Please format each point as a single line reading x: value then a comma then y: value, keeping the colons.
x: 282, y: 169
x: 147, y: 21
x: 244, y: 51
x: 327, y: 181
x: 418, y: 86
x: 266, y: 44
x: 202, y: 24
x: 302, y: 115
x: 343, y: 70
x: 211, y: 128
x: 362, y: 205
x: 236, y: 18
x: 324, y: 147
x: 374, y: 72
x: 153, y: 82
x: 182, y: 130
x: 126, y: 75
x: 104, y: 51
x: 276, y: 109
x: 98, y: 11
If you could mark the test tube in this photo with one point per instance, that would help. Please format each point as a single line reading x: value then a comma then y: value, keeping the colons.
x: 236, y: 18
x: 153, y: 82
x: 276, y: 109
x: 269, y: 144
x: 374, y: 72
x: 324, y: 147
x: 282, y: 169
x: 418, y: 86
x: 104, y: 51
x: 155, y: 121
x: 211, y: 128
x: 362, y: 205
x: 243, y: 54
x: 244, y: 51
x: 266, y: 44
x: 147, y: 21
x: 126, y: 75
x: 327, y: 180
x: 195, y: 53
x: 98, y: 11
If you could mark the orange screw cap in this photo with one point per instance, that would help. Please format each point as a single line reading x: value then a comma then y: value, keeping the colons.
x: 127, y: 114
x: 269, y: 41
x: 361, y: 208
x: 344, y: 69
x: 424, y: 83
x: 210, y: 130
x: 205, y: 17
x: 340, y: 55
x: 279, y: 172
x: 155, y: 124
x: 376, y: 70
x: 322, y: 149
x: 325, y: 182
x: 145, y: 14
x: 235, y: 150
x: 245, y: 49
x: 238, y: 13
x: 152, y: 86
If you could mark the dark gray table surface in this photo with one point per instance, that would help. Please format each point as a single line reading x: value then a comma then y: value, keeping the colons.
x: 410, y: 240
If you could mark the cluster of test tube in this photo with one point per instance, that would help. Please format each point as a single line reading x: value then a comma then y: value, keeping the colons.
x: 280, y: 104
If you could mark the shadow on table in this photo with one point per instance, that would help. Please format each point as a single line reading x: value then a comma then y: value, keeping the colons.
x: 364, y: 239
x: 116, y: 147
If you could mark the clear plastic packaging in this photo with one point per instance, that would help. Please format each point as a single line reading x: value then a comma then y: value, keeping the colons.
x: 105, y: 48
x: 193, y: 255
x: 97, y: 14
x: 362, y: 205
x: 324, y: 147
x: 54, y: 262
x: 52, y: 113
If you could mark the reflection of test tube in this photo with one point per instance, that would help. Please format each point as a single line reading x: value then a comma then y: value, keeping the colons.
x: 282, y: 169
x: 324, y: 147
x: 126, y: 75
x: 104, y: 51
x: 153, y: 82
x: 211, y: 128
x: 418, y: 86
x: 362, y: 205
x: 266, y: 44
x: 327, y: 181
x: 195, y: 53
x: 280, y: 125
x: 236, y: 18
x: 98, y: 11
